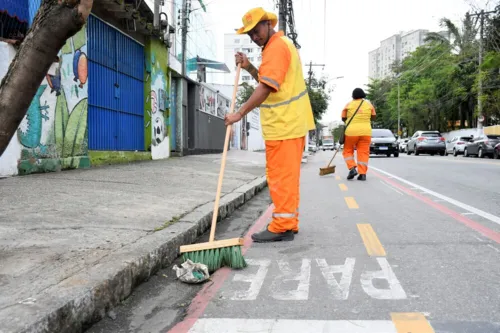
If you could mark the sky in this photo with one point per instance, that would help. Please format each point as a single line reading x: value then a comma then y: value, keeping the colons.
x: 342, y: 35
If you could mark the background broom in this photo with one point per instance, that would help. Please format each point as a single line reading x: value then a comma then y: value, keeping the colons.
x: 329, y: 169
x: 216, y: 254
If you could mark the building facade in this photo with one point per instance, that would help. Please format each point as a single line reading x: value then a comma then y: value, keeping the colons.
x: 116, y: 93
x: 394, y: 50
x: 240, y: 43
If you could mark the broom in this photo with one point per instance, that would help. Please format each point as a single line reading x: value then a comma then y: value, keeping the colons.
x: 216, y: 254
x: 329, y: 169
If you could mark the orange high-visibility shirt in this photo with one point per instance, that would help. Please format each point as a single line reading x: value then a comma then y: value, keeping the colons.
x: 287, y: 112
x: 361, y: 123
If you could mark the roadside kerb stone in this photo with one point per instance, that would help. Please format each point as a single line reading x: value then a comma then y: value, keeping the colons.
x: 86, y: 297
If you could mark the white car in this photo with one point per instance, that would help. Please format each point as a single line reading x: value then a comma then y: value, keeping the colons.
x: 402, y: 145
x: 457, y: 145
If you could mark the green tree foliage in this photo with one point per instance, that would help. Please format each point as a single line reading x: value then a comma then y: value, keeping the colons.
x: 318, y: 96
x: 438, y: 82
x: 244, y: 93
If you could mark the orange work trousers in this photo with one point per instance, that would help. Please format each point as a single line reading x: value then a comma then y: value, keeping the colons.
x: 362, y: 144
x: 283, y: 159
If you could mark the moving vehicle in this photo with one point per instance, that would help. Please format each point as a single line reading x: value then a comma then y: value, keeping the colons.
x: 426, y: 142
x: 328, y: 142
x: 384, y: 143
x: 482, y: 146
x: 456, y: 145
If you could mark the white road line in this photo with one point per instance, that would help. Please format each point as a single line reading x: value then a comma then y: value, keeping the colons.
x: 467, y: 214
x: 391, y: 187
x: 457, y: 203
x: 227, y: 325
x: 494, y: 248
x: 478, y: 238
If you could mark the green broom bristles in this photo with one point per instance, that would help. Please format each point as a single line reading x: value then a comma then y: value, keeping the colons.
x: 216, y: 258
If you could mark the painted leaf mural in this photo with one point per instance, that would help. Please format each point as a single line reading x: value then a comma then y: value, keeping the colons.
x: 79, y: 40
x: 61, y: 121
x: 67, y: 48
x: 75, y: 131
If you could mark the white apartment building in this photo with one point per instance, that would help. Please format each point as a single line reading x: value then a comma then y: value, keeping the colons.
x: 394, y: 49
x: 240, y: 43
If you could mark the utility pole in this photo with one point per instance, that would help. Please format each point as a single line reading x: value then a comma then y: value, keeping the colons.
x: 311, y: 72
x: 399, y: 112
x: 282, y: 15
x: 480, y: 118
x: 186, y: 8
x: 318, y: 128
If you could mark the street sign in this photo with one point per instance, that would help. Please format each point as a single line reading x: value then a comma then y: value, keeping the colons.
x: 480, y: 119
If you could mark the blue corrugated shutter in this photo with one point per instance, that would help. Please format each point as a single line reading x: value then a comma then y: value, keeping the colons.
x: 116, y: 89
x: 34, y: 5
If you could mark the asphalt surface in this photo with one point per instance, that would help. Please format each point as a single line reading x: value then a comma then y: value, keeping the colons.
x: 416, y: 248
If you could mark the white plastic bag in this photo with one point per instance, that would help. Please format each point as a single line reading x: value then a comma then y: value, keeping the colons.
x: 191, y: 272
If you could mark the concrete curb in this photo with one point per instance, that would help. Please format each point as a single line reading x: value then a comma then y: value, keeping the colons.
x: 85, y: 298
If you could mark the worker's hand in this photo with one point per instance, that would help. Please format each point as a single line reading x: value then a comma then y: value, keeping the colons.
x: 241, y: 58
x: 232, y: 118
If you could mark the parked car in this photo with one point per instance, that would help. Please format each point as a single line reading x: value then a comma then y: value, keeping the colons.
x: 402, y: 145
x: 312, y: 147
x: 384, y: 143
x: 456, y: 146
x: 426, y: 142
x: 496, y: 152
x: 482, y: 146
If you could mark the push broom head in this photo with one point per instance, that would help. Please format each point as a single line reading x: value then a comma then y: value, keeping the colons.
x: 216, y: 254
x: 327, y: 170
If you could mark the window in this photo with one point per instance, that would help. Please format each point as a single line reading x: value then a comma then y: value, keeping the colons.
x: 382, y: 133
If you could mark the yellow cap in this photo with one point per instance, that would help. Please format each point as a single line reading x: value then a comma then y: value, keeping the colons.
x: 254, y: 16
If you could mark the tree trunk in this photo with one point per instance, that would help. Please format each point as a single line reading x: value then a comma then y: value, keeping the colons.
x: 55, y: 22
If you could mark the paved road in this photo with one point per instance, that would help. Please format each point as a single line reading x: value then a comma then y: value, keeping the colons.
x: 416, y: 249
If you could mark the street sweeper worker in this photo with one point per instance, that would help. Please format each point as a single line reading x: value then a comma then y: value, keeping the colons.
x: 286, y: 118
x: 358, y: 134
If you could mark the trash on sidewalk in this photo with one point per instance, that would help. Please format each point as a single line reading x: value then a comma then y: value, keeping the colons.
x: 191, y: 272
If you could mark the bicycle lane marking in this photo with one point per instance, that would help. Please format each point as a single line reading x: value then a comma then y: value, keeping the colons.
x: 205, y: 295
x: 485, y: 231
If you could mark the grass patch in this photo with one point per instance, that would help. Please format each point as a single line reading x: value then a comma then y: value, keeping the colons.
x: 167, y: 224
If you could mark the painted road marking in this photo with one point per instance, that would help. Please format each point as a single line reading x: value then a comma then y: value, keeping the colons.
x: 339, y: 290
x: 230, y: 325
x: 485, y: 231
x: 457, y: 203
x: 468, y: 214
x: 392, y: 188
x: 343, y: 187
x: 371, y: 241
x: 494, y: 248
x: 411, y: 323
x: 337, y: 177
x: 351, y: 203
x: 294, y: 280
x: 287, y: 275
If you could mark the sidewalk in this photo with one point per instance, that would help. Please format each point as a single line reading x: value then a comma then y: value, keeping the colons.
x: 75, y: 243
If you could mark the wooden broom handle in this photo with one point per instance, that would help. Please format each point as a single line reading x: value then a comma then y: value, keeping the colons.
x: 224, y: 155
x: 336, y: 151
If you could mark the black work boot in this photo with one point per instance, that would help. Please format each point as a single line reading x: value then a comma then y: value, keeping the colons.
x: 362, y: 177
x: 352, y: 173
x: 267, y: 236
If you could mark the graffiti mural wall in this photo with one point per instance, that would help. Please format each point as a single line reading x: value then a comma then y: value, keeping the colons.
x: 53, y: 134
x: 157, y: 102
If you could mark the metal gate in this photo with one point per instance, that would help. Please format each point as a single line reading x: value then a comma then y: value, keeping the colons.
x: 115, y: 89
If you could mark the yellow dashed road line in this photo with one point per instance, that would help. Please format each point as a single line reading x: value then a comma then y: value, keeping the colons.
x: 412, y: 322
x: 351, y: 203
x: 337, y: 177
x: 371, y: 241
x: 343, y: 187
